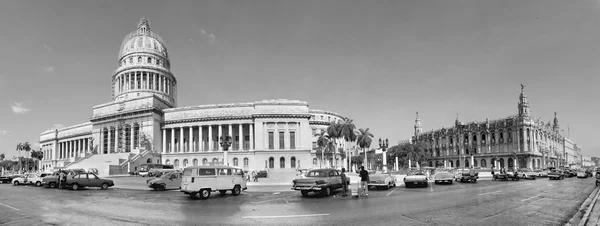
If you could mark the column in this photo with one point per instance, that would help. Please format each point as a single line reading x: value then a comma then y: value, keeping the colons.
x: 172, y: 140
x: 230, y: 133
x: 76, y: 147
x: 131, y: 140
x: 241, y: 138
x: 110, y: 139
x: 251, y: 136
x: 101, y: 141
x: 181, y: 139
x: 200, y: 139
x: 68, y: 149
x: 191, y: 139
x: 154, y: 87
x: 116, y: 139
x: 164, y: 140
x: 219, y: 136
x: 210, y: 138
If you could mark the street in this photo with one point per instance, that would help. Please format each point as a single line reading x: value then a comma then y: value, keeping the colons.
x: 535, y: 202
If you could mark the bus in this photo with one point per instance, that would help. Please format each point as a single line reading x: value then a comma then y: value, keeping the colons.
x: 144, y: 168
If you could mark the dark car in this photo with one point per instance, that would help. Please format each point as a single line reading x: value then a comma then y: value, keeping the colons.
x: 262, y: 173
x: 8, y: 179
x: 321, y: 181
x: 88, y: 180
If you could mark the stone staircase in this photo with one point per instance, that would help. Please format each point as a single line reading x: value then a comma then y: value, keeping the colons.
x: 78, y: 159
x: 102, y: 162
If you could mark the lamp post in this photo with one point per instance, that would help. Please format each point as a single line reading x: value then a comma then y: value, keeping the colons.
x: 383, y: 144
x: 225, y: 142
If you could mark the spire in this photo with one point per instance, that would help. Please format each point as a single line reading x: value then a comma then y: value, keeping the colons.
x: 523, y: 107
x: 456, y: 122
x: 144, y: 26
x: 555, y: 127
x: 418, y: 129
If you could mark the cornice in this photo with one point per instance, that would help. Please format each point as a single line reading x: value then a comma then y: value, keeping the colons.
x: 134, y: 68
x: 206, y: 119
x: 211, y: 106
x: 144, y: 91
x: 324, y: 123
x: 132, y: 99
x: 281, y: 116
x: 316, y: 111
x: 66, y: 128
x: 68, y: 136
x: 120, y: 115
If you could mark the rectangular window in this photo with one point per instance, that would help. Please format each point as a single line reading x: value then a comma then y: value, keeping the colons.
x: 206, y: 172
x: 292, y: 140
x: 281, y: 140
x: 271, y: 140
x: 236, y: 142
x: 247, y: 142
x: 314, y: 145
x: 314, y: 132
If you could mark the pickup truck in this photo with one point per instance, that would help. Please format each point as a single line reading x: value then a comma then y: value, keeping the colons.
x: 556, y: 175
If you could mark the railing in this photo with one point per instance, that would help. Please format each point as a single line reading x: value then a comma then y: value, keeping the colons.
x: 87, y: 155
x: 135, y: 158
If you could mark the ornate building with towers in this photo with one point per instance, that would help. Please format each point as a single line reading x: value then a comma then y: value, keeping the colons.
x: 519, y: 140
x: 143, y: 124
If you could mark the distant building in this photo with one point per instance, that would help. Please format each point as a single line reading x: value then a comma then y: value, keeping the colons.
x: 520, y: 140
x: 596, y: 161
x: 587, y: 161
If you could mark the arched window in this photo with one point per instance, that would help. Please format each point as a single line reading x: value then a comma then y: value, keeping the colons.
x: 501, y: 161
x: 430, y: 164
x: 282, y: 162
x: 149, y: 60
x: 139, y: 59
x: 176, y: 163
x: 533, y: 163
x: 314, y: 161
x: 457, y: 163
x: 204, y: 161
x: 466, y: 163
x: 185, y: 163
x: 215, y: 161
x: 474, y: 162
x: 483, y: 163
x: 437, y: 163
x: 271, y: 162
x: 157, y: 62
x: 168, y: 162
x: 149, y: 160
x: 510, y: 162
x: 235, y: 161
x: 245, y: 161
x: 195, y: 162
x: 131, y: 60
x: 538, y: 164
x: 293, y: 162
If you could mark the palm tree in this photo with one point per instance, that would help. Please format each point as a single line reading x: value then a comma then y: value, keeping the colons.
x: 348, y: 133
x: 322, y: 142
x: 2, y: 156
x: 364, y: 141
x: 26, y: 147
x: 19, y: 149
x: 334, y: 131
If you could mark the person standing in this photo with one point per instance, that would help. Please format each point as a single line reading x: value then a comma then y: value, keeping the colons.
x: 364, y: 181
x: 60, y: 175
x: 63, y: 178
x: 344, y: 183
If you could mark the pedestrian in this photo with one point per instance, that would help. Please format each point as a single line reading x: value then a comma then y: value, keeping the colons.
x: 364, y: 181
x: 60, y: 175
x: 344, y: 182
x: 254, y: 176
x: 63, y: 179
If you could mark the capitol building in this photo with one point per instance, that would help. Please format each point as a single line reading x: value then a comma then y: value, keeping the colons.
x: 143, y: 124
x: 517, y: 141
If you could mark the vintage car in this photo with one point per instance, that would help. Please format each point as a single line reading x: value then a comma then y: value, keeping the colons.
x: 541, y: 173
x: 30, y: 178
x: 380, y: 179
x: 51, y: 180
x: 168, y: 180
x: 581, y: 174
x: 569, y: 173
x: 469, y: 176
x: 8, y: 179
x: 556, y: 175
x: 458, y: 174
x: 321, y: 181
x: 414, y: 178
x: 81, y: 180
x: 525, y: 173
x: 589, y: 173
x: 443, y: 177
x: 159, y: 173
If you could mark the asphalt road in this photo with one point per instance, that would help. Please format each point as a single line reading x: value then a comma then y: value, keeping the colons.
x: 537, y: 202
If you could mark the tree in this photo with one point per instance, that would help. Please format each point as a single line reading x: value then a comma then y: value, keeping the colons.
x: 2, y: 157
x: 19, y: 149
x: 146, y: 142
x: 323, y: 143
x: 334, y: 132
x: 37, y: 156
x: 364, y: 140
x: 348, y: 132
x: 26, y: 147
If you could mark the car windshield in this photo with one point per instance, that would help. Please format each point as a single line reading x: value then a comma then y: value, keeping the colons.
x: 526, y: 170
x: 316, y: 174
x: 165, y: 175
x: 412, y: 173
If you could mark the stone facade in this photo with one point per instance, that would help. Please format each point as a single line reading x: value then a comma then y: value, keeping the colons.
x: 143, y: 119
x: 519, y: 140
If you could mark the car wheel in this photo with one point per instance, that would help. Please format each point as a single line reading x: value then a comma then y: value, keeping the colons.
x: 162, y: 187
x: 236, y: 190
x: 155, y: 188
x: 450, y: 182
x: 326, y: 192
x: 52, y: 185
x: 38, y: 183
x: 75, y: 187
x: 104, y: 186
x: 389, y: 185
x: 16, y: 183
x: 304, y: 193
x: 204, y: 194
x: 194, y: 195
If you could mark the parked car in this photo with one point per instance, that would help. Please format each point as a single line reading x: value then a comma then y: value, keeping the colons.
x: 541, y: 173
x: 168, y: 180
x: 581, y: 174
x: 380, y: 179
x: 159, y: 173
x: 51, y: 181
x: 8, y: 179
x: 82, y: 180
x: 415, y: 177
x: 525, y: 173
x: 321, y: 181
x: 202, y: 180
x: 443, y: 177
x: 556, y: 175
x: 30, y: 178
x: 262, y: 174
x: 569, y: 173
x: 589, y: 173
x: 470, y: 176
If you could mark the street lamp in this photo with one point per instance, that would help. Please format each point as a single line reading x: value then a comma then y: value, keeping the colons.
x: 383, y: 144
x: 225, y: 142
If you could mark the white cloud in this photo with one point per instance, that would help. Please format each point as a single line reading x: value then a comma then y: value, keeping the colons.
x: 210, y: 36
x: 49, y: 69
x: 47, y: 47
x: 211, y: 39
x: 3, y: 132
x: 19, y: 108
x: 203, y: 32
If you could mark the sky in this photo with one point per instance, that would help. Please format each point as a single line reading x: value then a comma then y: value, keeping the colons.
x: 377, y: 62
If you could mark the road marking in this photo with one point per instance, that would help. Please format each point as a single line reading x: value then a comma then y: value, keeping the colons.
x: 270, y: 200
x: 530, y: 198
x: 489, y: 193
x: 388, y: 194
x: 9, y: 206
x: 285, y: 216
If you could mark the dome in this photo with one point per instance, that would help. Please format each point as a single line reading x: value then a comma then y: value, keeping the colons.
x: 143, y: 40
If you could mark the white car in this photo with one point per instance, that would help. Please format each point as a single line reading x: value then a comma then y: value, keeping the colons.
x: 30, y: 178
x: 414, y: 178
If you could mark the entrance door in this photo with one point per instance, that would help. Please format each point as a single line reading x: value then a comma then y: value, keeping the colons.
x: 271, y: 163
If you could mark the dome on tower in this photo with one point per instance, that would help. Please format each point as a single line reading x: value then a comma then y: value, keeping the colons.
x: 143, y: 40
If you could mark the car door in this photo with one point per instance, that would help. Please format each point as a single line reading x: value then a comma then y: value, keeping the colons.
x: 173, y: 180
x: 224, y: 180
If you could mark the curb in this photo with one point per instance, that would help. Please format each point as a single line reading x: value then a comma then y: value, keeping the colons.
x: 583, y: 206
x: 586, y: 217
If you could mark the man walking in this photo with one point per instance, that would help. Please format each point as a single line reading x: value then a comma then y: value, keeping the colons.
x: 344, y: 182
x: 62, y: 177
x: 364, y: 181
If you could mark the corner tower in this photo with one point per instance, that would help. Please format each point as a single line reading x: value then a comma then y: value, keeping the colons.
x: 418, y: 129
x: 523, y: 106
x: 144, y: 67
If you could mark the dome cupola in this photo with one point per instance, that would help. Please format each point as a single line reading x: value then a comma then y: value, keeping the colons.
x: 144, y: 67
